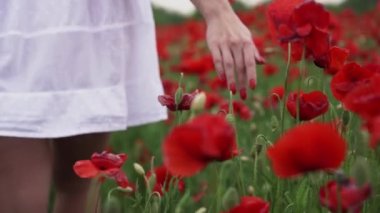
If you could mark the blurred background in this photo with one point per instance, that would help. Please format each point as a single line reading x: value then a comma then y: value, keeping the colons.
x: 184, y: 7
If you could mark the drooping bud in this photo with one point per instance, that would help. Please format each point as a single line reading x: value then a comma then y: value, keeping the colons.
x: 139, y: 169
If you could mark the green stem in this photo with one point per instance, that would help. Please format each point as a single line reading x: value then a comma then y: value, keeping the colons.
x: 285, y: 88
x: 302, y: 69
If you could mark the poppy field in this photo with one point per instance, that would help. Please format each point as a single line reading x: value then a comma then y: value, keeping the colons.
x: 303, y: 138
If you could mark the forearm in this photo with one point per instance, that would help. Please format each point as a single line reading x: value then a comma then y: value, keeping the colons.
x: 211, y: 9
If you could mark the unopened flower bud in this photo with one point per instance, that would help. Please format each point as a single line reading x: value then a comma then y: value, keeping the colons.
x: 251, y: 190
x: 139, y: 169
x: 199, y: 101
x: 201, y: 210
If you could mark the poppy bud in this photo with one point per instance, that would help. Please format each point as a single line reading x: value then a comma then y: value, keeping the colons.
x: 230, y: 198
x: 251, y: 190
x: 199, y: 101
x: 201, y: 210
x: 139, y: 169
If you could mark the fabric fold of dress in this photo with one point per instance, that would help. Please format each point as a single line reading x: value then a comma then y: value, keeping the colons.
x: 77, y: 66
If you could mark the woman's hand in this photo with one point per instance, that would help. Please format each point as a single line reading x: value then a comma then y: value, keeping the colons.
x: 231, y: 45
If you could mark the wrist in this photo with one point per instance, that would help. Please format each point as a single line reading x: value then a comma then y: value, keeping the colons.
x: 214, y: 9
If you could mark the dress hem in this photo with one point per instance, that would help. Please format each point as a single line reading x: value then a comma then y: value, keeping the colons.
x: 95, y: 129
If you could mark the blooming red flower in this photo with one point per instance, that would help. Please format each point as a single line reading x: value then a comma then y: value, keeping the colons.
x: 251, y: 204
x: 311, y: 104
x: 170, y: 87
x: 317, y: 44
x: 351, y: 195
x: 279, y: 15
x: 163, y: 180
x: 240, y: 109
x: 190, y: 147
x: 290, y: 20
x: 373, y: 126
x: 275, y: 95
x: 348, y: 78
x: 212, y: 100
x: 309, y: 15
x: 365, y: 98
x: 103, y: 164
x: 270, y: 69
x: 337, y: 57
x: 184, y: 104
x: 199, y: 66
x: 300, y: 149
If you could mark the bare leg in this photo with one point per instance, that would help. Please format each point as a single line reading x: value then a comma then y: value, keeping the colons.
x: 72, y: 191
x: 25, y: 175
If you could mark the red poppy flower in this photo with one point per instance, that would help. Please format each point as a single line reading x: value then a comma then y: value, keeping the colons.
x: 199, y: 66
x: 251, y: 204
x: 240, y: 109
x: 373, y: 126
x: 300, y: 149
x: 169, y: 101
x: 170, y: 87
x: 348, y: 78
x: 337, y: 57
x: 275, y: 95
x: 317, y: 44
x: 270, y: 69
x: 290, y: 20
x: 309, y: 15
x: 279, y: 14
x: 365, y: 98
x: 103, y: 164
x: 212, y: 100
x: 351, y: 195
x: 163, y: 179
x: 311, y: 104
x: 190, y: 147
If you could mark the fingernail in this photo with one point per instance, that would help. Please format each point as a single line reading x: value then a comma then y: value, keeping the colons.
x: 252, y: 84
x: 260, y: 60
x: 243, y: 93
x: 233, y: 88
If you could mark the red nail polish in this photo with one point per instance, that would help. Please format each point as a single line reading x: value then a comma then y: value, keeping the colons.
x: 233, y: 88
x: 243, y: 93
x: 252, y: 84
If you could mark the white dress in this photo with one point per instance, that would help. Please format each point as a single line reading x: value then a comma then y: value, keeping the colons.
x: 72, y: 67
